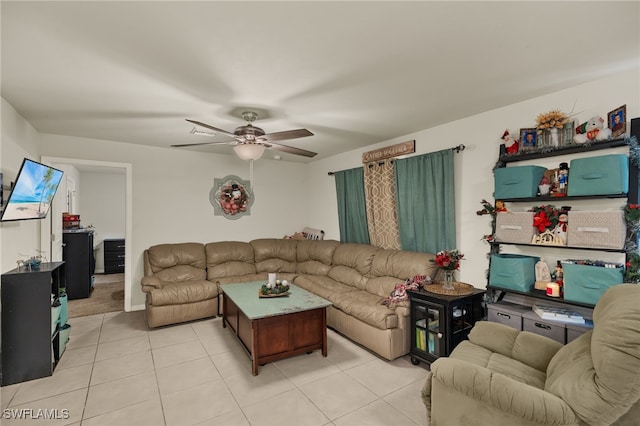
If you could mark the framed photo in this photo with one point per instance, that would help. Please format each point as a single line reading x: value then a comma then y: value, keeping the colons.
x: 528, y: 139
x: 617, y: 120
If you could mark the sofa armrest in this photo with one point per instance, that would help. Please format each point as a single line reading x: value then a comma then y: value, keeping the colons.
x: 531, y: 349
x: 500, y: 392
x: 149, y: 283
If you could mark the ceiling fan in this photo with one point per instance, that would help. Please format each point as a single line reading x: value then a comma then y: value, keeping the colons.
x: 251, y: 141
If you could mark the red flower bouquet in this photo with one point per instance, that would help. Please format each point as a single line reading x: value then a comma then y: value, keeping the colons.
x: 448, y: 260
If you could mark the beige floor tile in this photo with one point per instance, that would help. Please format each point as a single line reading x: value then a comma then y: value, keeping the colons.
x: 171, y: 335
x: 184, y: 375
x: 206, y: 327
x: 82, y: 340
x: 181, y: 352
x: 219, y: 342
x: 307, y: 368
x: 408, y: 400
x: 233, y: 362
x: 234, y: 418
x: 337, y: 395
x: 123, y: 325
x: 197, y: 404
x: 122, y: 347
x: 7, y: 393
x: 249, y: 389
x: 64, y: 380
x: 120, y: 367
x: 60, y: 410
x: 121, y: 393
x: 146, y: 413
x: 383, y: 377
x: 345, y: 354
x: 288, y: 409
x: 85, y: 325
x: 378, y: 413
x: 72, y: 357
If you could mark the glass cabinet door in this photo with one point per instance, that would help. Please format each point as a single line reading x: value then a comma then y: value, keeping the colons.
x: 427, y: 329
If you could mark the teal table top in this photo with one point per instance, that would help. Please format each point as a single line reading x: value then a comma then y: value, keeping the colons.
x: 245, y: 296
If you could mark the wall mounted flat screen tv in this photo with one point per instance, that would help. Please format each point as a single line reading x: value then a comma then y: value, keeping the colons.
x: 33, y: 192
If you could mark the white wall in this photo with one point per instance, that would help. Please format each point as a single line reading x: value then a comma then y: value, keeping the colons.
x: 19, y: 239
x: 474, y: 178
x: 103, y: 206
x: 171, y: 195
x: 171, y: 187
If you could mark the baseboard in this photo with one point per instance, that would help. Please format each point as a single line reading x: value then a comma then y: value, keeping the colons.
x: 137, y: 308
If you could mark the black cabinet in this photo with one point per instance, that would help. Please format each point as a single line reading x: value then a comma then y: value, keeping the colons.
x: 439, y: 322
x: 77, y: 252
x: 114, y: 256
x: 30, y: 336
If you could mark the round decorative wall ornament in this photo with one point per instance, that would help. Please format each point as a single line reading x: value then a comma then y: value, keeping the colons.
x: 231, y: 197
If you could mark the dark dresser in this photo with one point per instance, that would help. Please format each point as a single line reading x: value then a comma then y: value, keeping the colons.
x: 114, y: 256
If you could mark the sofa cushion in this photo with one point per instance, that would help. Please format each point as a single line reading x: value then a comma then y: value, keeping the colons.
x: 499, y: 363
x: 322, y: 286
x: 229, y: 258
x: 274, y: 255
x: 177, y: 262
x: 402, y: 264
x: 184, y: 292
x: 352, y: 264
x: 598, y: 374
x: 366, y: 307
x: 314, y: 257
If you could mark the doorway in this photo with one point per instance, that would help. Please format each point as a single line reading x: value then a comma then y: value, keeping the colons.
x: 51, y: 231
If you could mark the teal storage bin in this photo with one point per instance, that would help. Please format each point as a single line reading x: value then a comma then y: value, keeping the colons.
x: 517, y: 182
x: 586, y: 283
x: 65, y: 331
x: 64, y: 309
x: 513, y: 271
x: 601, y: 175
x: 55, y: 318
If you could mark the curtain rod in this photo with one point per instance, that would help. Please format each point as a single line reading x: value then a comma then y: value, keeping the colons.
x: 457, y: 149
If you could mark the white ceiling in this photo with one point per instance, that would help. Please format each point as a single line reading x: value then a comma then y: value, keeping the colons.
x: 353, y: 73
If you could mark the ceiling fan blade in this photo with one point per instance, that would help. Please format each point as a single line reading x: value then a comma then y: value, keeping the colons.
x: 287, y: 134
x: 215, y: 129
x: 291, y: 149
x: 203, y: 143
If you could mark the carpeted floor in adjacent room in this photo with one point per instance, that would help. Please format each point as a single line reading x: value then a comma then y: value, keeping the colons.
x: 107, y: 296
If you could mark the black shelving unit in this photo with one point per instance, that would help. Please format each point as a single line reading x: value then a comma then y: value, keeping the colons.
x: 632, y: 197
x: 439, y: 322
x: 30, y: 344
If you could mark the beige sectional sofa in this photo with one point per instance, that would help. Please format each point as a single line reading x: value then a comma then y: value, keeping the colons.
x: 181, y: 282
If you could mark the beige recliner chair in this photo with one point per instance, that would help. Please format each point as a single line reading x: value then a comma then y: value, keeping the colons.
x: 502, y: 376
x: 175, y: 281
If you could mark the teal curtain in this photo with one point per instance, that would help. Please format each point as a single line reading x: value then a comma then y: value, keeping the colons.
x: 352, y: 213
x: 426, y: 205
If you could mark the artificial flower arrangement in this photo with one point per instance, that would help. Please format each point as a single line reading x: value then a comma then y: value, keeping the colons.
x: 551, y: 224
x: 448, y: 260
x: 552, y: 119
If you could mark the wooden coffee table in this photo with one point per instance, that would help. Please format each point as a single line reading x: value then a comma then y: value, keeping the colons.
x: 274, y: 328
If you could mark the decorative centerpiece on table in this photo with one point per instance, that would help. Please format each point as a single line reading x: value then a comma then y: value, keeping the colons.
x: 448, y: 261
x: 279, y: 289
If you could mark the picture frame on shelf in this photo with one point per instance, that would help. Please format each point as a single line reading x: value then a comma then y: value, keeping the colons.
x: 617, y: 121
x: 528, y: 139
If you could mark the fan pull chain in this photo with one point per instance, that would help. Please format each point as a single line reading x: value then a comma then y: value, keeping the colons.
x: 251, y: 174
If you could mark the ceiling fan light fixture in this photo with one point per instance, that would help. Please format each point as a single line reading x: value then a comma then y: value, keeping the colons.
x: 249, y: 151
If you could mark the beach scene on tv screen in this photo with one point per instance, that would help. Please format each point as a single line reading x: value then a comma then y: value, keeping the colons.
x: 33, y: 192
